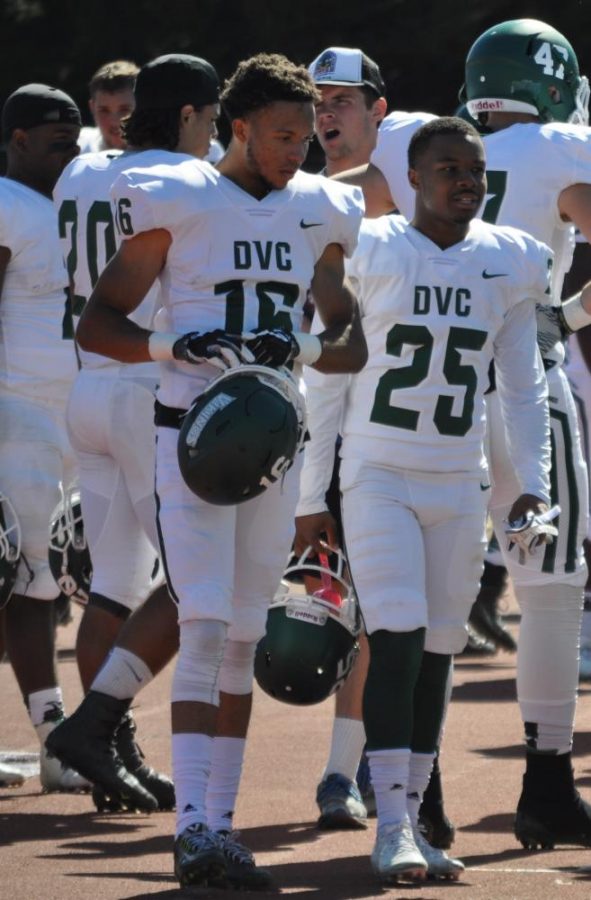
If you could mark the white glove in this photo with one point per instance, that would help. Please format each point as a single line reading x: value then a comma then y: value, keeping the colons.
x: 530, y: 531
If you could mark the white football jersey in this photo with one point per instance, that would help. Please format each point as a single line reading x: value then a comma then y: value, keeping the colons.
x: 433, y: 320
x: 391, y: 156
x: 37, y: 356
x: 90, y: 140
x: 235, y: 263
x: 527, y: 168
x: 89, y: 237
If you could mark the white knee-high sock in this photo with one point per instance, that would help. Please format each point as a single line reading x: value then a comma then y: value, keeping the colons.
x: 191, y: 766
x: 547, y: 663
x: 224, y: 781
x: 346, y: 747
x: 389, y: 776
x: 122, y: 675
x: 419, y: 773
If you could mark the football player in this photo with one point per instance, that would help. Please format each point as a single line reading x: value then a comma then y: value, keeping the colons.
x: 40, y: 126
x: 348, y: 116
x: 111, y: 101
x: 523, y: 83
x: 110, y: 421
x: 236, y: 250
x: 413, y: 473
x: 352, y: 105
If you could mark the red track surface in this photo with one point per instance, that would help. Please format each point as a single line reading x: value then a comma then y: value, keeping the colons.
x: 54, y: 847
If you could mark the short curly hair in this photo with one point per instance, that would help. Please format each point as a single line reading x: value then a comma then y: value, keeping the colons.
x: 264, y: 79
x: 441, y: 127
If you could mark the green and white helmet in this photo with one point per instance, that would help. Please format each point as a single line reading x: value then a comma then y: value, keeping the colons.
x: 526, y: 66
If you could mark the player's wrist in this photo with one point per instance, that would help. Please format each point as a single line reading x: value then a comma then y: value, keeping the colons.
x: 161, y: 346
x: 573, y: 314
x: 310, y: 348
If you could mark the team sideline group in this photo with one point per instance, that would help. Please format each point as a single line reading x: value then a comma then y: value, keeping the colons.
x: 217, y: 362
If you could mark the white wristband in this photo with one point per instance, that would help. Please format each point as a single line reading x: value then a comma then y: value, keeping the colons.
x: 574, y: 314
x: 310, y: 347
x: 160, y: 345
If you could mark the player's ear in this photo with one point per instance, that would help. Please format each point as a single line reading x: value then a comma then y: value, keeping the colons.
x: 19, y: 139
x: 240, y: 130
x: 413, y: 179
x: 185, y: 113
x: 379, y: 109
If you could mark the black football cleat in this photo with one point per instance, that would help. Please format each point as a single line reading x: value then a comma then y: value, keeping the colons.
x: 484, y: 615
x: 199, y: 857
x: 550, y: 810
x: 433, y: 821
x: 86, y: 742
x: 160, y: 786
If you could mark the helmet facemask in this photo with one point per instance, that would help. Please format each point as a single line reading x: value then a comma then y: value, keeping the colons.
x: 69, y: 556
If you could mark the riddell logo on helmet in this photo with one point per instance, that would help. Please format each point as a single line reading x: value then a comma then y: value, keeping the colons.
x: 477, y: 106
x: 306, y: 615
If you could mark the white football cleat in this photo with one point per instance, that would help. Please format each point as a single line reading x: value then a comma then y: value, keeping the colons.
x: 439, y: 864
x: 395, y: 856
x: 9, y: 776
x: 53, y: 775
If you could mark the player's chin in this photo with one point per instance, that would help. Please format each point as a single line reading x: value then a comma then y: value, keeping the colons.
x: 463, y: 215
x: 283, y: 177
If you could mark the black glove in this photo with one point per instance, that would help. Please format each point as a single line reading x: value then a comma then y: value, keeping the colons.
x: 215, y: 347
x: 271, y: 348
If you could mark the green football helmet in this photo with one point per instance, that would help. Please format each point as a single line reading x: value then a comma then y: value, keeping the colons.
x: 310, y: 643
x: 525, y: 66
x: 241, y: 434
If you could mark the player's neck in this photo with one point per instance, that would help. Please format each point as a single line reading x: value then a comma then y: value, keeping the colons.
x: 231, y: 167
x: 443, y: 234
x: 30, y: 181
x: 343, y: 164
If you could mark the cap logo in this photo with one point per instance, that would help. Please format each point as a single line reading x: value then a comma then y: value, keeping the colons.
x: 326, y: 65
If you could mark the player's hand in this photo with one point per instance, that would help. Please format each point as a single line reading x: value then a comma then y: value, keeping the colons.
x: 273, y: 348
x: 318, y: 531
x: 529, y: 525
x: 215, y: 347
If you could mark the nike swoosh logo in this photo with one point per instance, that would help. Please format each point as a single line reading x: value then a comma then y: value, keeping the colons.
x: 486, y: 274
x: 484, y: 487
x: 310, y: 224
x: 133, y: 672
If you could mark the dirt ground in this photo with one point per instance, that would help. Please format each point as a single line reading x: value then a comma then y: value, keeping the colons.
x: 55, y: 847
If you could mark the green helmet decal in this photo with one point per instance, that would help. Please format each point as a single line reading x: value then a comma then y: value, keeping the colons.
x: 526, y: 66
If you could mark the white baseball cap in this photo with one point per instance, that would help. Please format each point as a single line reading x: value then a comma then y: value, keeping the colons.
x: 348, y: 67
